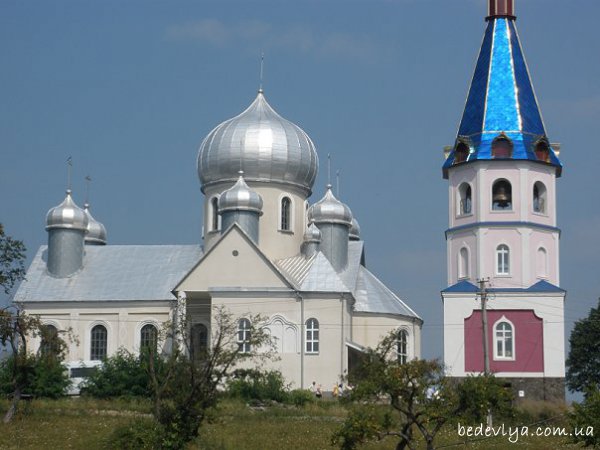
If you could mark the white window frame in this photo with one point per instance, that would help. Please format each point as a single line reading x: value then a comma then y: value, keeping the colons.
x: 504, y: 250
x: 312, y: 341
x: 244, y: 335
x: 505, y: 334
x: 290, y: 228
x: 541, y: 250
x: 91, y: 329
x: 512, y: 197
x: 402, y: 345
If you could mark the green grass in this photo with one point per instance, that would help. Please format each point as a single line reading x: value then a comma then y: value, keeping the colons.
x: 81, y: 423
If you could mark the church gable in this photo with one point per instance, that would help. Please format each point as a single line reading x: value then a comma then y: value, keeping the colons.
x: 233, y: 262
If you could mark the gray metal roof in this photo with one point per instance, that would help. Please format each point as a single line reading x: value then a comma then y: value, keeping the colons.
x: 372, y: 296
x: 268, y: 147
x: 112, y: 272
x: 316, y: 274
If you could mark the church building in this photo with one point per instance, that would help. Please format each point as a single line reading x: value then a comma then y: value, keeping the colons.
x: 502, y: 239
x: 265, y: 250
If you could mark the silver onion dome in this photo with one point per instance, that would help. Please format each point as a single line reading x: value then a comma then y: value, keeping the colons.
x: 240, y: 197
x: 354, y: 232
x: 312, y: 234
x: 268, y: 147
x: 67, y: 215
x: 96, y: 232
x: 330, y: 210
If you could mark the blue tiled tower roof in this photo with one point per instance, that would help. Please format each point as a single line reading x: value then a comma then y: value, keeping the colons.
x: 501, y: 101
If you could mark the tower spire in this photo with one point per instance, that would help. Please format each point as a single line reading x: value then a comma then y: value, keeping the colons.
x: 501, y: 8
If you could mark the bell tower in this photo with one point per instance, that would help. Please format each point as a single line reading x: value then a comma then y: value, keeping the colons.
x: 501, y: 173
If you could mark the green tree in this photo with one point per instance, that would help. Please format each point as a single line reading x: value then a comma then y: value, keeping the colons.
x: 419, y: 398
x: 12, y: 257
x: 186, y: 385
x: 583, y: 363
x: 585, y: 419
x: 40, y: 374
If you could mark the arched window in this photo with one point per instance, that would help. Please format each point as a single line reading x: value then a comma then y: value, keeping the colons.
x: 504, y: 340
x: 286, y: 214
x: 98, y: 343
x: 542, y: 263
x: 312, y: 336
x: 199, y: 340
x: 465, y: 199
x: 501, y: 195
x: 502, y: 147
x: 243, y: 337
x: 542, y: 150
x: 402, y: 346
x: 502, y: 260
x: 539, y: 197
x: 461, y: 153
x: 463, y: 263
x: 149, y: 338
x: 214, y: 214
x: 49, y: 341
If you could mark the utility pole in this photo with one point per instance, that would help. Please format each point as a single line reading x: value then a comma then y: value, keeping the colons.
x: 483, y: 294
x: 486, y: 352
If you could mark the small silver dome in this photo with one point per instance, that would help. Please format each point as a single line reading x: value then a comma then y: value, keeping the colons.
x: 266, y: 146
x: 312, y: 234
x: 96, y: 231
x: 330, y: 210
x: 354, y: 233
x: 67, y: 215
x: 240, y: 197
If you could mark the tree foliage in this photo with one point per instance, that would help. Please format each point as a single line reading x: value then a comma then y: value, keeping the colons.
x: 583, y: 363
x: 186, y: 385
x: 38, y: 373
x: 585, y: 419
x: 121, y: 375
x: 12, y: 257
x: 419, y: 398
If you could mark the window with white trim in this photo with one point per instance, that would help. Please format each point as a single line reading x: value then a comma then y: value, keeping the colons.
x: 214, y: 214
x: 539, y: 197
x: 286, y: 214
x: 402, y: 346
x: 502, y: 260
x: 148, y: 338
x: 465, y: 199
x: 312, y: 336
x: 243, y: 337
x: 504, y: 340
x: 98, y: 343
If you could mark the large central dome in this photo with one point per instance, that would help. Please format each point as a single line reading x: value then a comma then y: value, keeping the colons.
x: 267, y: 147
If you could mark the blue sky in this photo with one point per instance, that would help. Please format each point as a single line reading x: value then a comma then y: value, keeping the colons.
x: 130, y: 89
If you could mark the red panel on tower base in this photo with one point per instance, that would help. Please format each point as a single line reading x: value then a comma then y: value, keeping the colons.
x: 524, y: 354
x: 501, y: 8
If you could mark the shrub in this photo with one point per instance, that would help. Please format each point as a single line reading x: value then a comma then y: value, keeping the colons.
x: 300, y: 397
x: 44, y: 377
x: 251, y: 384
x: 141, y: 433
x: 121, y: 375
